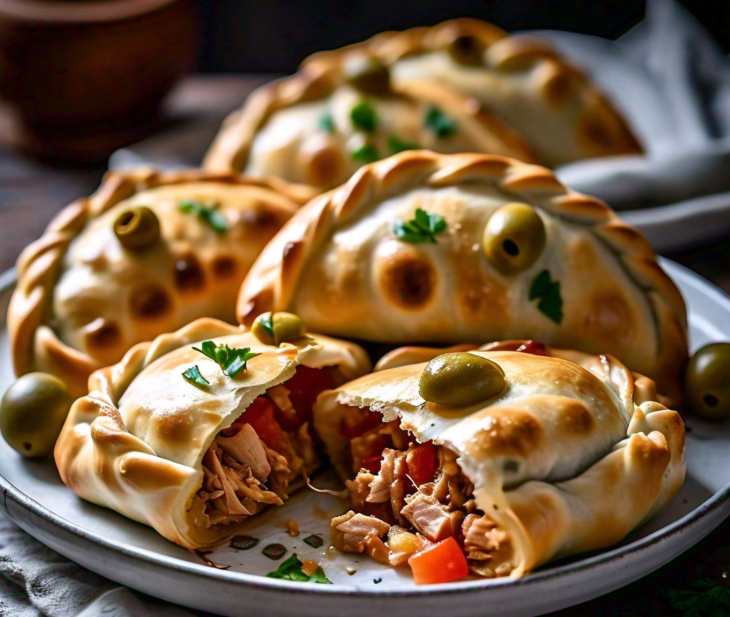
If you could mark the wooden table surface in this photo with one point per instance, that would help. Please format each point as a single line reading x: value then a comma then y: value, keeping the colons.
x: 31, y: 193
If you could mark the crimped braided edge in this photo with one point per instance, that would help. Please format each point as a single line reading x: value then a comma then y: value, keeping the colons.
x: 39, y: 265
x: 273, y: 279
x: 518, y: 53
x: 232, y: 144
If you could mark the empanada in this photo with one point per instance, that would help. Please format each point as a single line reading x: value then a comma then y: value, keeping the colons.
x: 83, y: 298
x: 523, y: 79
x: 195, y: 460
x: 317, y: 128
x: 569, y: 453
x: 423, y: 247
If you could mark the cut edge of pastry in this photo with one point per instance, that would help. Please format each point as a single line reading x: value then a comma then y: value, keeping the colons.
x: 511, y: 53
x: 273, y: 278
x: 34, y: 345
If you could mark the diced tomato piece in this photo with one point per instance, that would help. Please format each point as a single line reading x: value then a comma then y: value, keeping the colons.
x: 422, y: 463
x: 367, y: 423
x: 373, y: 463
x: 260, y: 415
x: 304, y: 388
x: 440, y: 563
x: 533, y: 347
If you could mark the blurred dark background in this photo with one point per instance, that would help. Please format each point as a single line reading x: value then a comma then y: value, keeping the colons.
x: 275, y: 35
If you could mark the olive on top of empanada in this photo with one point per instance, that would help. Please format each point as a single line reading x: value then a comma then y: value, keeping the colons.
x: 147, y: 253
x: 321, y: 124
x: 521, y: 78
x: 423, y: 247
x: 203, y: 428
x: 501, y: 459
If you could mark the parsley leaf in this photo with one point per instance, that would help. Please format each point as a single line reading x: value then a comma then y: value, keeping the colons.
x: 439, y: 123
x: 291, y: 570
x: 206, y: 214
x: 193, y: 377
x: 708, y: 599
x: 231, y: 360
x: 266, y: 321
x: 365, y: 154
x: 397, y: 145
x: 548, y: 291
x: 326, y: 123
x: 422, y: 228
x: 363, y: 117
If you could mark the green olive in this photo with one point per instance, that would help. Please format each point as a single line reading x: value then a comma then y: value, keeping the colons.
x: 466, y: 50
x: 707, y: 381
x: 32, y: 413
x: 514, y: 238
x: 137, y: 228
x: 277, y: 328
x: 460, y: 379
x: 368, y: 75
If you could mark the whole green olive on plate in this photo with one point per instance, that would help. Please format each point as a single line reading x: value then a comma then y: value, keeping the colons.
x: 514, y: 238
x: 277, y: 328
x: 460, y: 379
x: 32, y: 412
x: 707, y: 381
x: 137, y: 228
x: 466, y: 50
x: 368, y: 75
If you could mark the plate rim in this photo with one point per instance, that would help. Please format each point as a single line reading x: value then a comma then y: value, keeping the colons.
x: 716, y: 501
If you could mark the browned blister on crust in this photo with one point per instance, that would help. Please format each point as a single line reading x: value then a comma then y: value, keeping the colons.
x: 522, y: 79
x: 569, y: 457
x: 82, y: 299
x: 137, y: 442
x: 340, y: 264
x: 301, y: 127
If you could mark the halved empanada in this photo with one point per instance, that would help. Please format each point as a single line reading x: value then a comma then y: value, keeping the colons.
x: 321, y: 124
x: 83, y: 298
x: 498, y: 250
x: 195, y: 460
x: 522, y: 79
x: 568, y: 455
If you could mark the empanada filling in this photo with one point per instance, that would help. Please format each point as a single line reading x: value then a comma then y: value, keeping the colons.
x: 407, y: 496
x: 250, y: 464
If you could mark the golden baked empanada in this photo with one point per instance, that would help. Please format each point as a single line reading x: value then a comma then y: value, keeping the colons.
x: 171, y: 438
x: 423, y: 247
x: 558, y: 453
x: 146, y: 254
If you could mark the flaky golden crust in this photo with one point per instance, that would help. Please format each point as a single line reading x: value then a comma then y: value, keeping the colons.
x: 523, y: 79
x: 323, y: 160
x: 39, y: 319
x: 135, y: 442
x: 336, y: 263
x: 568, y: 458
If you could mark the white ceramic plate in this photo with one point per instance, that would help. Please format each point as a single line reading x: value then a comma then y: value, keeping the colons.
x: 132, y: 554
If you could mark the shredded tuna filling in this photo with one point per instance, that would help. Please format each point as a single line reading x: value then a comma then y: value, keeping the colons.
x: 407, y: 496
x: 250, y: 464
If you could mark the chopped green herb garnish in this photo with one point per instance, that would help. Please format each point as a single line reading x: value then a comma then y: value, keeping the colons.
x: 231, y: 360
x: 291, y: 570
x: 207, y: 214
x: 363, y: 117
x: 548, y: 291
x: 193, y: 377
x: 326, y: 123
x: 365, y: 154
x: 422, y: 228
x: 708, y: 599
x: 314, y: 541
x: 396, y: 145
x: 274, y: 551
x: 439, y: 123
x: 267, y: 323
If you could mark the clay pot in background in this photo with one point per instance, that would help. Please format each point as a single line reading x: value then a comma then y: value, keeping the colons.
x: 82, y: 78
